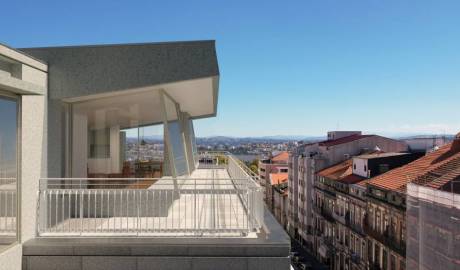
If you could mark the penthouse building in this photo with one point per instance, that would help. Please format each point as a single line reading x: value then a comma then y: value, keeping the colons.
x: 72, y: 197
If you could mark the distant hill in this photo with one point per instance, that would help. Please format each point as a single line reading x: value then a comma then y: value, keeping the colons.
x: 262, y: 139
x: 425, y: 136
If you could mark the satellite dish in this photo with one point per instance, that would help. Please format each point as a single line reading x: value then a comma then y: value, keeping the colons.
x: 377, y: 148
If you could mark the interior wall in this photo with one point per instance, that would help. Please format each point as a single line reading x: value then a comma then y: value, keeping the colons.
x: 79, y: 145
x: 113, y: 163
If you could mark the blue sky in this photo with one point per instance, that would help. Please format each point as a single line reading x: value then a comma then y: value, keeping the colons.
x: 287, y: 67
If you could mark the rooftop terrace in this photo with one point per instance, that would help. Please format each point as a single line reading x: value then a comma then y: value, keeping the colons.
x: 216, y: 200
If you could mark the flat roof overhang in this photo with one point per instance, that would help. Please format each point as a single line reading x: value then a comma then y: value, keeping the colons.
x: 197, y: 97
x: 186, y: 71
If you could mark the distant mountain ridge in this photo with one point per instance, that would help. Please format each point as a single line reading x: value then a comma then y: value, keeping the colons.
x: 283, y: 138
x: 276, y: 138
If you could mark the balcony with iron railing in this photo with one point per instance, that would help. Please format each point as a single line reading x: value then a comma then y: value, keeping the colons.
x: 220, y: 198
x: 344, y: 219
x: 356, y: 227
x: 388, y: 238
x: 325, y: 212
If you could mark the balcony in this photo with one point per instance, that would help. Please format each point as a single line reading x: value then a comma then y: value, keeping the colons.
x: 339, y: 218
x: 325, y: 213
x: 326, y: 247
x: 388, y: 239
x: 355, y: 258
x: 357, y: 228
x: 217, y: 199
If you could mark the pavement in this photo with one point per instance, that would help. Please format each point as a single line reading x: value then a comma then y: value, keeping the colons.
x: 306, y: 256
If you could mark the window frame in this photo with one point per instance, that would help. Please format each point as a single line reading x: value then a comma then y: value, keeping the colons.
x: 18, y: 99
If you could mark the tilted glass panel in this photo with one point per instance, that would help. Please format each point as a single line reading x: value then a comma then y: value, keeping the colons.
x: 189, y: 141
x: 193, y: 141
x: 176, y: 137
x: 8, y: 170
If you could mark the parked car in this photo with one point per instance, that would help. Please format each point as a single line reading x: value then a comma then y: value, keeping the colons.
x: 305, y: 266
x: 292, y: 254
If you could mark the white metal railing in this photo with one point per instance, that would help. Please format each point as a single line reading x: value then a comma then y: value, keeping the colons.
x: 228, y: 203
x: 8, y: 201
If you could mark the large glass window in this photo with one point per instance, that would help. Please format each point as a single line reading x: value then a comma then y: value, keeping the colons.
x: 130, y: 135
x: 119, y: 136
x: 143, y: 152
x: 8, y: 170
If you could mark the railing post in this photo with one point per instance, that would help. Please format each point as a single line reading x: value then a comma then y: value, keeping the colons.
x: 137, y: 200
x: 80, y: 192
x: 194, y: 212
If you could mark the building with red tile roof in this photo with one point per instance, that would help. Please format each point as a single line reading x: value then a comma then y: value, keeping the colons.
x: 307, y: 159
x: 281, y: 157
x: 433, y: 214
x: 275, y: 164
x: 278, y: 178
x: 387, y: 225
x: 341, y: 202
x: 279, y: 186
x: 342, y: 140
x: 427, y: 167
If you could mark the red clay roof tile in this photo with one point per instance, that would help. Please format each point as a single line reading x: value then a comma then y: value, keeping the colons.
x: 278, y: 178
x: 397, y: 179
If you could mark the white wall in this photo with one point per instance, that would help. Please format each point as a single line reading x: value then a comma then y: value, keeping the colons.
x: 360, y: 163
x: 11, y: 259
x: 33, y: 157
x: 80, y: 138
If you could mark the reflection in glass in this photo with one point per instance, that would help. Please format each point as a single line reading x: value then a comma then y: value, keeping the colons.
x: 193, y: 142
x: 144, y: 152
x: 8, y: 170
x: 176, y: 137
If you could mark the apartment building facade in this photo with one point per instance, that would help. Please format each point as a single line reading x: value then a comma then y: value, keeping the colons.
x: 293, y: 191
x: 274, y: 164
x: 281, y: 204
x: 340, y: 146
x: 433, y: 214
x: 341, y: 207
x: 388, y: 223
x: 77, y: 190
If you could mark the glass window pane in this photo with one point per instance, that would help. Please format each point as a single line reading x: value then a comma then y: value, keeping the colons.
x: 176, y: 138
x: 8, y: 170
x: 193, y: 142
x: 143, y: 154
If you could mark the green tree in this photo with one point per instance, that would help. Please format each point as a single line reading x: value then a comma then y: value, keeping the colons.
x: 254, y: 168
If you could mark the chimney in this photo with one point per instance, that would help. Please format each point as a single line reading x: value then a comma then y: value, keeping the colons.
x: 455, y: 147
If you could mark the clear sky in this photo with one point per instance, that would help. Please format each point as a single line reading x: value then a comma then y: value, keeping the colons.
x: 287, y: 67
